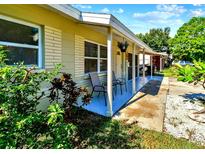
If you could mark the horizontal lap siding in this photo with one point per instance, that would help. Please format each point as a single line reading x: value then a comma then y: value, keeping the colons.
x: 79, y: 57
x: 79, y: 62
x: 53, y: 47
x: 68, y: 52
x: 60, y: 41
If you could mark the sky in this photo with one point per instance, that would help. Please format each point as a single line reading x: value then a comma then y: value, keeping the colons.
x: 141, y: 17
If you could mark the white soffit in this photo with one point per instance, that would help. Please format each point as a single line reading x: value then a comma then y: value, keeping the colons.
x: 96, y: 18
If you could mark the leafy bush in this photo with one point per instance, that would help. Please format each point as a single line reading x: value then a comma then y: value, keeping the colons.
x: 192, y: 74
x: 21, y: 125
x: 61, y: 134
x: 65, y: 87
x: 2, y: 56
x: 170, y: 72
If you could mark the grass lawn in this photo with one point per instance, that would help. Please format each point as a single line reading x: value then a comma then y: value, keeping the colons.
x: 99, y: 132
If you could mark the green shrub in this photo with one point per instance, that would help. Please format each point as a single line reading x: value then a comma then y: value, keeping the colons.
x: 65, y: 87
x: 192, y: 74
x: 170, y: 72
x: 2, y: 56
x: 61, y: 134
x: 21, y: 125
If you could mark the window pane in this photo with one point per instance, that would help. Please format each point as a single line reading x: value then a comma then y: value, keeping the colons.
x: 17, y: 54
x: 136, y: 59
x: 91, y: 49
x: 90, y: 65
x: 17, y: 33
x: 103, y: 65
x: 130, y: 58
x: 103, y: 52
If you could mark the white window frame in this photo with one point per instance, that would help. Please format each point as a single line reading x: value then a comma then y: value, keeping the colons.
x: 39, y: 46
x: 98, y: 55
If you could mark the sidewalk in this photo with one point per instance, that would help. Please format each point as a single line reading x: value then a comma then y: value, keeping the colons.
x: 147, y: 107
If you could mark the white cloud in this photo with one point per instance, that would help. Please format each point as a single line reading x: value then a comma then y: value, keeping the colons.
x: 82, y: 6
x: 120, y: 11
x: 172, y: 8
x: 197, y: 4
x: 197, y: 12
x: 153, y: 15
x: 105, y: 10
x: 169, y: 22
x: 164, y: 15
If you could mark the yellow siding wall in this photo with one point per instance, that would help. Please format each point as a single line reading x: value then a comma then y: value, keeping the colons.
x: 63, y: 39
x: 67, y: 30
x: 53, y: 47
x: 79, y: 57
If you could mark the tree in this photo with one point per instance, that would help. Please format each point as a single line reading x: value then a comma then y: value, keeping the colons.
x: 157, y: 39
x: 189, y: 42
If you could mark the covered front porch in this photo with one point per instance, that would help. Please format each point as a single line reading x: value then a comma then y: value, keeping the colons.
x: 97, y: 105
x: 124, y: 62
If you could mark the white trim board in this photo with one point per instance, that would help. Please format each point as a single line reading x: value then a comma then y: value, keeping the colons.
x: 39, y: 46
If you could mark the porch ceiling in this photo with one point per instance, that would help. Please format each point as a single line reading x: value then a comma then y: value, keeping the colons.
x: 103, y: 30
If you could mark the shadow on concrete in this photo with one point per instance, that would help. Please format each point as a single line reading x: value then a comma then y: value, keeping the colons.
x: 195, y: 97
x: 150, y: 88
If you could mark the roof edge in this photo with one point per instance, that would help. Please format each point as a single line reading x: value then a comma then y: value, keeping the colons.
x: 67, y: 9
x: 103, y: 19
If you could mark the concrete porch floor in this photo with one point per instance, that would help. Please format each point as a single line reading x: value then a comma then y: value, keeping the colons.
x: 147, y: 107
x: 98, y: 106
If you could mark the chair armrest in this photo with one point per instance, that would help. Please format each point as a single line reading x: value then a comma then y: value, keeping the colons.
x: 121, y: 79
x: 101, y: 86
x: 105, y: 83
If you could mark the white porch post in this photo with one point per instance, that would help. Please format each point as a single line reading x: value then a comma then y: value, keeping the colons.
x: 143, y: 64
x: 138, y: 65
x: 151, y: 65
x: 109, y: 72
x: 123, y: 65
x: 160, y: 64
x: 133, y: 70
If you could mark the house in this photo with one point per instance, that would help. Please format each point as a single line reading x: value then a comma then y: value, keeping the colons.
x: 46, y: 35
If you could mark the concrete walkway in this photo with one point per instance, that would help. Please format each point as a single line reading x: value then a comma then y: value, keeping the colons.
x: 147, y: 108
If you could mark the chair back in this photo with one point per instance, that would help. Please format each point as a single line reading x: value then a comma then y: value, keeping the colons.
x: 94, y: 79
x: 113, y: 76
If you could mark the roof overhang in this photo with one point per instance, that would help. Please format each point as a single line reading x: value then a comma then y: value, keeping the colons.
x: 106, y: 20
x: 162, y: 54
x: 64, y: 10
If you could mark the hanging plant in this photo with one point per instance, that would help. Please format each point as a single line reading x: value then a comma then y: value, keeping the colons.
x: 123, y: 46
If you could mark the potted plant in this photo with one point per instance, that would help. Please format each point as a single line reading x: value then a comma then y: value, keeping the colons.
x: 123, y: 46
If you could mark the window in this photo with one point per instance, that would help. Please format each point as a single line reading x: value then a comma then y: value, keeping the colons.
x: 103, y: 58
x: 21, y: 40
x: 90, y: 65
x: 95, y: 57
